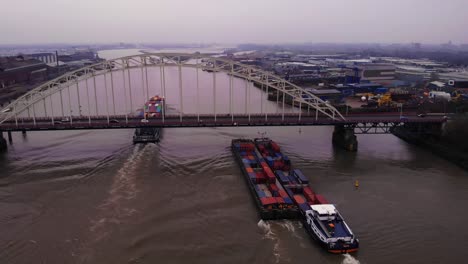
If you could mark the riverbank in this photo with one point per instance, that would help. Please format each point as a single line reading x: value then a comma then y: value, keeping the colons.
x: 445, y: 150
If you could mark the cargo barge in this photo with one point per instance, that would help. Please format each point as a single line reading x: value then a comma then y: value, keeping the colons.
x: 321, y: 219
x: 154, y: 108
x: 271, y: 199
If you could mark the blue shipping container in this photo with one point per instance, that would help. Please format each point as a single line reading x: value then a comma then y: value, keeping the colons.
x: 304, y: 207
x: 292, y: 179
x: 283, y: 178
x: 287, y: 200
x: 290, y: 193
x: 261, y: 194
x: 301, y: 176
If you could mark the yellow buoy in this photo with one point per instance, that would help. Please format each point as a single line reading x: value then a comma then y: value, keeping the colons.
x: 356, y: 183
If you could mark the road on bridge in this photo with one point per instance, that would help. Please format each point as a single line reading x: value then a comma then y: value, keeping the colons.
x: 115, y: 122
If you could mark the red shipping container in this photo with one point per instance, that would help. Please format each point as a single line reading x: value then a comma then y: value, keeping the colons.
x: 310, y: 197
x: 277, y: 165
x: 308, y: 190
x: 299, y: 199
x: 268, y: 200
x: 273, y: 187
x: 320, y: 199
x: 279, y: 200
x: 275, y: 146
x: 283, y: 193
x: 271, y: 179
x: 260, y: 180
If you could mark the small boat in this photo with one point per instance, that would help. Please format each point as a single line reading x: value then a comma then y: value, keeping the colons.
x: 325, y: 223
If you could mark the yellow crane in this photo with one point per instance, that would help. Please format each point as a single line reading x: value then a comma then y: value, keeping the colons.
x: 385, y: 99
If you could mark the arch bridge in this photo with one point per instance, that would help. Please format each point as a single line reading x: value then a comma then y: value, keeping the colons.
x: 199, y: 89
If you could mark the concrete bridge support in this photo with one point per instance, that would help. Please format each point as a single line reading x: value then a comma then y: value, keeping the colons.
x: 344, y: 137
x: 3, y: 143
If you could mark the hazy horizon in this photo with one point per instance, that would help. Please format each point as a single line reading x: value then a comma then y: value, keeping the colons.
x: 233, y: 22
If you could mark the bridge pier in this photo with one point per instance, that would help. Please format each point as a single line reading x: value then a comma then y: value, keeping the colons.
x: 344, y: 137
x: 3, y: 143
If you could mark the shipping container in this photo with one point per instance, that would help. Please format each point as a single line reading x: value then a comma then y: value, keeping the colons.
x: 279, y: 200
x: 275, y: 146
x: 292, y: 179
x: 296, y: 184
x: 261, y: 180
x: 301, y: 176
x: 304, y: 207
x: 283, y: 193
x: 268, y: 200
x: 308, y: 190
x: 273, y: 187
x: 320, y: 199
x: 282, y: 178
x: 299, y: 199
x: 261, y: 194
x: 287, y: 200
x: 310, y: 198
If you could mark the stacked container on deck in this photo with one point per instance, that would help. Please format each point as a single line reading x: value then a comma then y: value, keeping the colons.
x: 295, y: 183
x: 270, y: 193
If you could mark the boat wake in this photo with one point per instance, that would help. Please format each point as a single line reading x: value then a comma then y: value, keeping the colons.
x: 269, y: 234
x: 348, y: 259
x: 266, y: 227
x: 291, y: 227
x: 116, y: 207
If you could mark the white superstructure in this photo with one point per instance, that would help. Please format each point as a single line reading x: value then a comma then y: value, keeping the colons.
x: 328, y: 225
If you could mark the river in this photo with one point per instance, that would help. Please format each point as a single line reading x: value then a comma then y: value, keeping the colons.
x: 94, y: 197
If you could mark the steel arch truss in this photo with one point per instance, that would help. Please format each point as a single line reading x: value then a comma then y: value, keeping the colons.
x: 374, y: 127
x: 300, y: 97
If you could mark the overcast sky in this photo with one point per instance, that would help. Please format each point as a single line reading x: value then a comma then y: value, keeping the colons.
x: 233, y: 21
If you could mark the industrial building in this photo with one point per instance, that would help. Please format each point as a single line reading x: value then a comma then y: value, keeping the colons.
x: 45, y: 57
x: 383, y: 74
x: 21, y: 69
x: 333, y: 96
x: 295, y: 67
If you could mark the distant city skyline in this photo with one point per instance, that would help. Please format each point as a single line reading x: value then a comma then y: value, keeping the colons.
x: 233, y: 22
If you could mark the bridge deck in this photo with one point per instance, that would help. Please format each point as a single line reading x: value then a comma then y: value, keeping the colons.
x: 116, y: 122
